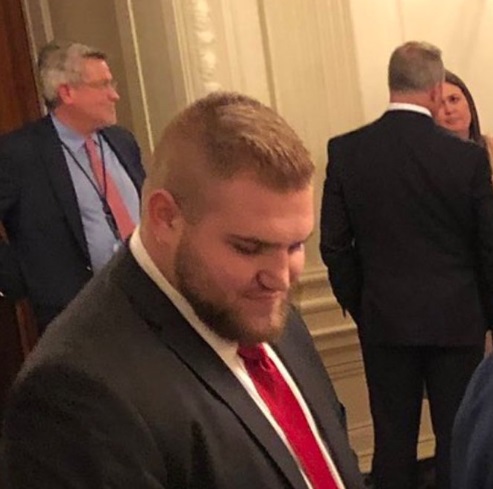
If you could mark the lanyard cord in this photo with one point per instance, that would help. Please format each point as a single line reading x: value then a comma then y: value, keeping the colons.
x: 110, y: 219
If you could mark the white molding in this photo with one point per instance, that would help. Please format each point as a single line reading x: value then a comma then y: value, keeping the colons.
x: 38, y: 23
x: 135, y: 78
x: 205, y: 44
x: 318, y: 304
x: 195, y: 37
x: 245, y: 55
x: 314, y: 275
x: 312, y: 293
x: 39, y: 29
x: 344, y: 332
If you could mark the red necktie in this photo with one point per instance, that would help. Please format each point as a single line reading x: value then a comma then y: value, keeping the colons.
x: 115, y: 201
x: 288, y: 414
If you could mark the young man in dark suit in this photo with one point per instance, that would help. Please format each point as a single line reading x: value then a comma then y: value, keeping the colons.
x: 182, y: 365
x: 407, y: 235
x: 63, y: 219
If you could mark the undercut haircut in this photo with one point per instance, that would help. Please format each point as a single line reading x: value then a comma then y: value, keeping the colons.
x: 223, y: 135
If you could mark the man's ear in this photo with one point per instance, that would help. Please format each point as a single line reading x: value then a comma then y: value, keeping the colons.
x: 64, y: 93
x: 436, y: 93
x: 164, y: 214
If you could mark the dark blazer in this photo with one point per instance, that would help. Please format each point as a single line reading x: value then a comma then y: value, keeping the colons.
x: 122, y: 392
x: 407, y: 232
x: 48, y: 258
x: 472, y: 439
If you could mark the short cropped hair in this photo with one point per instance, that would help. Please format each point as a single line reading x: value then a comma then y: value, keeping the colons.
x: 415, y: 66
x: 223, y: 135
x: 60, y: 62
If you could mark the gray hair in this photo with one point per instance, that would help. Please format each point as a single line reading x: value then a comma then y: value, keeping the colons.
x: 415, y: 66
x: 59, y: 63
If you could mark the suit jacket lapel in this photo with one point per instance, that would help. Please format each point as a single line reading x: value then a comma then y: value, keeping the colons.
x: 133, y: 171
x: 177, y: 334
x: 209, y: 367
x: 53, y: 158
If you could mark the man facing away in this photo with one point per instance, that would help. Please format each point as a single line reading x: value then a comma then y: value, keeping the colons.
x: 69, y: 183
x: 181, y: 365
x: 407, y: 235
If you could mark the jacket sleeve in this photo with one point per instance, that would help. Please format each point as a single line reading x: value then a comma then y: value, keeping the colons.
x: 11, y: 280
x: 337, y: 244
x: 482, y: 193
x: 472, y: 443
x: 65, y: 429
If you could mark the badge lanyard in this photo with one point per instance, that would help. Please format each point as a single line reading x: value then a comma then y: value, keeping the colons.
x: 110, y: 219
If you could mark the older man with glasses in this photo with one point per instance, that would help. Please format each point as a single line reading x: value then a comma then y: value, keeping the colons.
x: 69, y: 183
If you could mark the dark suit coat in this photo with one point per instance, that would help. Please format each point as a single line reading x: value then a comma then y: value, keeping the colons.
x: 472, y: 439
x: 122, y: 392
x: 48, y: 258
x: 407, y: 232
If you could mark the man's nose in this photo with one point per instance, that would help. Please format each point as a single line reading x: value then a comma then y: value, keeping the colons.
x: 114, y: 95
x: 275, y: 274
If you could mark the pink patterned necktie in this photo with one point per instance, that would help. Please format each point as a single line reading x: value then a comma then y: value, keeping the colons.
x: 288, y: 414
x: 124, y: 222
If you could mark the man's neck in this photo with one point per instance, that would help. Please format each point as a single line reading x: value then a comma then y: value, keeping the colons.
x: 74, y: 124
x: 415, y: 98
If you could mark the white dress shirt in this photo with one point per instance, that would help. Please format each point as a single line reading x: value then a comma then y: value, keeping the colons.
x: 410, y: 107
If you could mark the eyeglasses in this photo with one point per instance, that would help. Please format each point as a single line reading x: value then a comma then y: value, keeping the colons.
x: 100, y: 84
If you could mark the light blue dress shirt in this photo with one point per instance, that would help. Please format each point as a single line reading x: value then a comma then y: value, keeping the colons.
x: 100, y: 239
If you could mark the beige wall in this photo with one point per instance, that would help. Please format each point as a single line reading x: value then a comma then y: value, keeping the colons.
x: 461, y: 28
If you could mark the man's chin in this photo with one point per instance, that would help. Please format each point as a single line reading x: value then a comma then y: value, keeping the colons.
x: 263, y: 328
x: 267, y: 335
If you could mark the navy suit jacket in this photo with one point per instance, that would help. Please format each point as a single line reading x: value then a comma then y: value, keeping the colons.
x: 47, y: 259
x: 122, y: 392
x: 407, y: 232
x: 472, y: 438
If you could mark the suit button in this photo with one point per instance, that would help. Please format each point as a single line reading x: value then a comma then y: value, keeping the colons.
x: 88, y: 268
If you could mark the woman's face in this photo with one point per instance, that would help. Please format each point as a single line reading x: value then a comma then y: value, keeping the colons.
x: 454, y: 113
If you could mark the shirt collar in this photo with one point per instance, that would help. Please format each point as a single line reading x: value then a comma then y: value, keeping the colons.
x: 72, y: 139
x: 227, y: 350
x: 410, y: 107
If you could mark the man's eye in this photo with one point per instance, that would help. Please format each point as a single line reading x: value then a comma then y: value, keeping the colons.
x: 247, y: 249
x: 296, y: 247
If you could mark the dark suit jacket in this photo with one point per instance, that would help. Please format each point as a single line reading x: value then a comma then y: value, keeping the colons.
x: 407, y: 232
x: 472, y: 439
x: 48, y: 258
x: 122, y: 392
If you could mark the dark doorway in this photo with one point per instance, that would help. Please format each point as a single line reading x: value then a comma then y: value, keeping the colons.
x: 18, y: 105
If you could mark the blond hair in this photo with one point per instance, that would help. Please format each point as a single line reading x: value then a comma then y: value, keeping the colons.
x: 223, y: 135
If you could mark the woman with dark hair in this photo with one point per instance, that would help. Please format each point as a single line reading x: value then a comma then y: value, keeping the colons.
x: 459, y: 115
x: 458, y: 112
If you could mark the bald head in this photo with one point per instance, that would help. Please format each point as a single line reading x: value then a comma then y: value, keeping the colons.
x: 219, y: 137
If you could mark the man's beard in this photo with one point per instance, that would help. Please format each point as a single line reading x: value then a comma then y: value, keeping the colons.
x: 213, y: 309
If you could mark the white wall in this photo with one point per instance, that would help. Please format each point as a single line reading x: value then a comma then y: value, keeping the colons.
x: 463, y: 29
